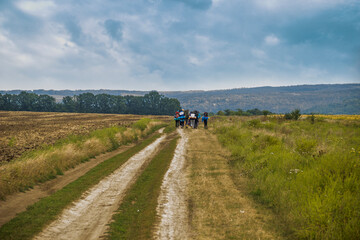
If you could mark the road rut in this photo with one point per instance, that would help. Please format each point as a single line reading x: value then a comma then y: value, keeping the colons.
x: 172, y: 203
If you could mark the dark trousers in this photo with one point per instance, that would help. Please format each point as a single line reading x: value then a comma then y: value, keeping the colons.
x: 177, y: 123
x: 205, y: 123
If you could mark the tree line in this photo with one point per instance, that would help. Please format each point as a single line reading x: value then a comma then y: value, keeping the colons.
x: 152, y: 103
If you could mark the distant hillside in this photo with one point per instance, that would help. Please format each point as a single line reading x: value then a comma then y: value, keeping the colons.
x: 326, y: 99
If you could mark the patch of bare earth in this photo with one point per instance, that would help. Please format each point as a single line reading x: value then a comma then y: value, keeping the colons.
x: 88, y: 217
x: 18, y: 202
x: 172, y: 209
x: 219, y: 209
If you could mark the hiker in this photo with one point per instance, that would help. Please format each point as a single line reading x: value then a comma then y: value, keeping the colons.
x: 182, y: 118
x: 186, y: 117
x: 197, y: 117
x: 177, y: 119
x: 192, y: 118
x: 205, y: 119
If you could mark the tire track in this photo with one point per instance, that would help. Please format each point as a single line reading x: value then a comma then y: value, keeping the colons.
x: 89, y: 216
x: 172, y: 203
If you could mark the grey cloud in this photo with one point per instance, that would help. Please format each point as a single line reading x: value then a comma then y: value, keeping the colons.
x: 75, y: 31
x: 114, y: 29
x: 20, y: 23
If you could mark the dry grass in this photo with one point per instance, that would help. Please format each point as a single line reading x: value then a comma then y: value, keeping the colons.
x: 219, y: 210
x: 45, y: 164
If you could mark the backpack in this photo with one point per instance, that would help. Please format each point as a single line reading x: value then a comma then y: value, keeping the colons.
x: 205, y: 114
x: 177, y: 114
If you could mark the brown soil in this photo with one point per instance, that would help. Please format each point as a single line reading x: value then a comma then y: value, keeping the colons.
x: 18, y: 202
x: 219, y: 209
x: 24, y: 131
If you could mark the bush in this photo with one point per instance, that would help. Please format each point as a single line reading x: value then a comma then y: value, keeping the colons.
x: 294, y: 115
x: 141, y: 124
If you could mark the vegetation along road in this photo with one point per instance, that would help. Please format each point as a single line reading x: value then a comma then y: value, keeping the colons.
x: 243, y: 178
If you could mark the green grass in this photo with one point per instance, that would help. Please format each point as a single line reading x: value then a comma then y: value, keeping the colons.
x: 308, y: 173
x: 27, y: 224
x: 137, y: 213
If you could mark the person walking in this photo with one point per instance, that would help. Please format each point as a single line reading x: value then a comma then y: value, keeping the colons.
x: 197, y: 118
x: 192, y: 118
x: 177, y: 119
x: 205, y: 119
x: 187, y: 117
x: 182, y: 118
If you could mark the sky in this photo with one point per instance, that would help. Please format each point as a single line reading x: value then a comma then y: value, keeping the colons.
x: 172, y: 45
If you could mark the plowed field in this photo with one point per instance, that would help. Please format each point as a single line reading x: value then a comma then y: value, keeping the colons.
x: 24, y: 131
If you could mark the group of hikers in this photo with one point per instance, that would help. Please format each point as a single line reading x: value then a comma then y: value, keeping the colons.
x: 184, y: 118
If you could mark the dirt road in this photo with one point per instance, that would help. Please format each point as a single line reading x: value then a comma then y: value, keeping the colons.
x: 18, y: 202
x: 87, y: 218
x: 220, y: 208
x: 172, y: 203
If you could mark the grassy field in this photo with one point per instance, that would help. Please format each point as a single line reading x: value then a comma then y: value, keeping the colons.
x: 307, y: 171
x: 43, y: 164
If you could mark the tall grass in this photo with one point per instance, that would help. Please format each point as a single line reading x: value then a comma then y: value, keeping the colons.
x: 44, y: 164
x: 308, y: 173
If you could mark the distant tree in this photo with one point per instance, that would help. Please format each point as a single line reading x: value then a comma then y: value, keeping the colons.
x: 228, y: 112
x: 294, y: 115
x: 255, y: 112
x: 266, y: 112
x: 86, y: 103
x: 134, y: 105
x: 45, y: 103
x: 239, y: 112
x: 152, y: 103
x: 120, y: 105
x: 68, y: 104
x: 220, y: 113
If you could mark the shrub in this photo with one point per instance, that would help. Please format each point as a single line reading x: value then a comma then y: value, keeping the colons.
x: 294, y: 115
x: 141, y: 124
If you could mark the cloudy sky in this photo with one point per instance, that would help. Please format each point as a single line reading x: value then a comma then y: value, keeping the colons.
x: 177, y: 44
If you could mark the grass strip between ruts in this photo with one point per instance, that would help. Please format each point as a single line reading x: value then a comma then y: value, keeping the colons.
x: 29, y: 223
x: 137, y: 213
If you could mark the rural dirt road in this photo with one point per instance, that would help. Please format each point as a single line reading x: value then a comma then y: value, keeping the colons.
x: 88, y: 217
x: 172, y: 203
x: 18, y: 202
x: 198, y: 196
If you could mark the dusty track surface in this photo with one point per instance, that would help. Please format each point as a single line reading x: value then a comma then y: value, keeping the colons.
x: 172, y: 204
x: 18, y: 202
x: 88, y: 217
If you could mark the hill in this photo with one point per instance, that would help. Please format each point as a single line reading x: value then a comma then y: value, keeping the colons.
x: 325, y: 99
